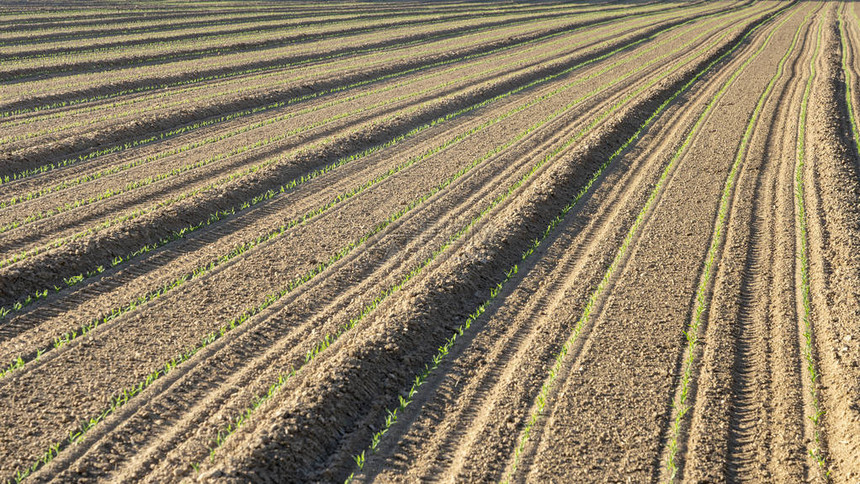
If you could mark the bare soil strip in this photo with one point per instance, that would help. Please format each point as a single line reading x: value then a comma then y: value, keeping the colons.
x: 752, y: 416
x: 211, y: 166
x: 20, y: 321
x: 56, y: 360
x: 406, y: 242
x: 284, y: 441
x: 317, y: 77
x: 831, y: 197
x: 638, y: 355
x: 111, y: 235
x: 749, y: 419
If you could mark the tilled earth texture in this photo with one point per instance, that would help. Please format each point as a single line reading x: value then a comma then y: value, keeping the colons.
x: 423, y: 241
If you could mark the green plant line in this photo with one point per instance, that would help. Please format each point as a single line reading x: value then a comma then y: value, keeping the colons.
x: 201, y: 124
x: 243, y: 72
x: 445, y: 349
x: 328, y: 340
x: 144, y: 28
x: 250, y: 35
x: 245, y: 79
x: 125, y: 26
x: 278, y: 70
x: 59, y: 242
x: 234, y: 73
x: 136, y: 303
x: 544, y: 394
x: 849, y: 98
x: 273, y: 56
x: 151, y: 179
x: 125, y: 29
x: 270, y: 299
x: 254, y: 31
x: 816, y: 450
x: 680, y: 405
x: 271, y: 194
x: 243, y: 87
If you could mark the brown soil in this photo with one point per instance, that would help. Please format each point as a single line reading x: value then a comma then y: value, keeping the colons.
x: 587, y: 145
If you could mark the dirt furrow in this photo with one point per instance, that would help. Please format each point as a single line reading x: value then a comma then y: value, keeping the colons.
x: 137, y: 29
x: 102, y: 43
x: 21, y: 140
x: 111, y: 238
x: 328, y: 79
x: 54, y: 202
x: 57, y: 204
x: 90, y: 307
x: 252, y: 37
x: 461, y: 426
x: 433, y: 232
x: 275, y: 440
x: 36, y: 317
x: 457, y: 241
x: 229, y: 277
x: 126, y: 76
x: 106, y: 26
x: 466, y: 430
x: 237, y: 65
x: 832, y: 181
x: 748, y: 420
x: 623, y: 350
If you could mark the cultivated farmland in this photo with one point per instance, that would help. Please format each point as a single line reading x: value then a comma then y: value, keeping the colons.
x: 430, y: 241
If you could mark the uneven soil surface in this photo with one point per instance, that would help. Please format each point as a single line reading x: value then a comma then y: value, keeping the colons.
x: 430, y: 241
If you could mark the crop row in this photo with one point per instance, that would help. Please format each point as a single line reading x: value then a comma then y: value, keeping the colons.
x: 134, y: 25
x: 486, y: 58
x: 849, y: 98
x: 681, y: 406
x: 531, y: 84
x: 328, y: 340
x: 219, y: 59
x: 150, y: 179
x: 254, y: 110
x: 162, y: 290
x: 125, y: 395
x: 273, y: 297
x: 239, y: 71
x: 184, y: 29
x: 548, y: 385
x: 245, y: 85
x: 247, y: 37
x: 279, y: 137
x: 273, y: 58
x: 271, y: 194
x: 815, y: 447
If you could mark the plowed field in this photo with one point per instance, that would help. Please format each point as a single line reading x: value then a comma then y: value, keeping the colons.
x: 430, y: 241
